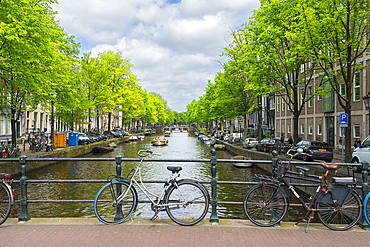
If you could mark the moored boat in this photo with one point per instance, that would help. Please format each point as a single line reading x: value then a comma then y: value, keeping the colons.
x: 133, y: 138
x: 219, y: 146
x: 167, y: 133
x: 141, y: 137
x: 160, y: 141
x: 102, y: 149
x: 242, y: 165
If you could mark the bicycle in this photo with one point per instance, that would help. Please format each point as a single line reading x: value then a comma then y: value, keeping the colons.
x: 6, y: 197
x: 186, y: 201
x: 337, y: 206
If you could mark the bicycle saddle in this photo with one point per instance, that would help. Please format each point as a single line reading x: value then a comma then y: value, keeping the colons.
x: 174, y: 169
x: 329, y: 166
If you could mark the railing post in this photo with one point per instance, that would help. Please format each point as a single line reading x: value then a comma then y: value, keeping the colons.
x: 214, y: 217
x: 365, y: 190
x: 24, y: 216
x: 119, y: 214
x: 274, y: 164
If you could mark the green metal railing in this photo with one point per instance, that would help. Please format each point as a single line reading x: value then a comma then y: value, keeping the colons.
x: 25, y: 216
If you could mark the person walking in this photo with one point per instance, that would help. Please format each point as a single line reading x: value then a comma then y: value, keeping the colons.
x: 357, y: 143
x: 282, y: 138
x: 290, y: 140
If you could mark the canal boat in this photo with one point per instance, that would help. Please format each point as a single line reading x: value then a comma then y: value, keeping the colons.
x: 167, y: 133
x: 113, y: 145
x: 141, y: 137
x: 219, y: 146
x: 160, y: 141
x: 133, y: 138
x: 100, y: 149
x: 241, y: 165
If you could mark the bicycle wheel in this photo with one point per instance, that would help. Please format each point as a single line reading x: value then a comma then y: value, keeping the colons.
x: 187, y: 203
x: 367, y: 208
x: 109, y: 212
x: 264, y: 205
x: 5, y: 203
x: 339, y: 209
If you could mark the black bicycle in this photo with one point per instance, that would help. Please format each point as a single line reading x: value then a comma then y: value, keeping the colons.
x: 338, y: 205
x: 6, y: 197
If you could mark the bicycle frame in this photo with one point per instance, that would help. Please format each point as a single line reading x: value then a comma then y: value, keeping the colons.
x: 171, y: 181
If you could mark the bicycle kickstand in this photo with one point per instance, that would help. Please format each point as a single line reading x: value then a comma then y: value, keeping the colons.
x: 156, y: 211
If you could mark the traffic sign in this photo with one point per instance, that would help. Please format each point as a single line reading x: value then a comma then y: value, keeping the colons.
x: 343, y: 120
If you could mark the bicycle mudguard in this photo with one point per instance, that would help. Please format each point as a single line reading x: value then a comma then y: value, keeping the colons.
x: 337, y: 194
x: 11, y: 193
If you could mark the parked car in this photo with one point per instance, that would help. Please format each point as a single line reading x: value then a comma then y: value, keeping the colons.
x: 226, y: 137
x: 362, y: 153
x: 83, y: 139
x: 250, y: 143
x: 317, y: 149
x: 235, y: 137
x: 268, y: 144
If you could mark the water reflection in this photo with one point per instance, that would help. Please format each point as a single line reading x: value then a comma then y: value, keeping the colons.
x: 182, y: 145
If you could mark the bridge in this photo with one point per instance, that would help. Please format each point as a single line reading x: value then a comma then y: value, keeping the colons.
x: 180, y: 128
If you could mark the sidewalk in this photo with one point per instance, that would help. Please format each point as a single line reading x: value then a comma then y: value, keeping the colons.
x: 162, y: 232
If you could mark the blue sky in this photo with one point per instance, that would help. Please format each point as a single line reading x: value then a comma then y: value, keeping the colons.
x: 175, y: 45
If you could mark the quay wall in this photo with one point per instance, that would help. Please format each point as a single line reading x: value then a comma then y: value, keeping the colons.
x: 14, y: 168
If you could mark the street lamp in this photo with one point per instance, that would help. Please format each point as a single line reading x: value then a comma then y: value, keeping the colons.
x: 367, y: 105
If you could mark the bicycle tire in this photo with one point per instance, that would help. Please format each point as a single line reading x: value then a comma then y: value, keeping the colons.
x: 5, y: 203
x: 187, y: 203
x: 264, y: 205
x: 367, y: 208
x: 108, y: 212
x: 344, y: 216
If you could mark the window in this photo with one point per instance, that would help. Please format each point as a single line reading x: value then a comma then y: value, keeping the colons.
x: 288, y: 128
x: 277, y: 103
x: 302, y: 95
x: 356, y: 131
x: 319, y: 129
x: 356, y: 88
x: 1, y: 124
x: 328, y: 99
x: 282, y: 105
x: 310, y: 129
x: 302, y: 128
x: 34, y: 120
x: 310, y: 102
x: 272, y: 103
x: 41, y: 120
x: 343, y: 89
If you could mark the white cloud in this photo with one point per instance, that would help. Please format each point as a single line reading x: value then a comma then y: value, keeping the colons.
x: 174, y: 47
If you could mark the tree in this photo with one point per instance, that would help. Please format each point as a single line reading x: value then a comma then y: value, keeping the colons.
x: 31, y: 55
x: 338, y: 32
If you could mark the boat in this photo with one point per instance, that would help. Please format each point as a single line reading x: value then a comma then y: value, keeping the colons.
x: 160, y: 141
x: 167, y: 133
x: 241, y: 165
x: 207, y: 141
x: 141, y: 137
x: 219, y: 146
x: 133, y: 138
x: 113, y: 145
x: 100, y: 149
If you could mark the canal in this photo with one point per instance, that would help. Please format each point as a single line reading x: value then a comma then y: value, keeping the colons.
x: 182, y: 145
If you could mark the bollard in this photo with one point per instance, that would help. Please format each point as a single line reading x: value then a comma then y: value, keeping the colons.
x: 274, y: 164
x: 24, y: 216
x: 214, y: 217
x: 365, y: 190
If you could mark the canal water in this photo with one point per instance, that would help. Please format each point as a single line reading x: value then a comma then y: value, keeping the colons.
x: 182, y: 145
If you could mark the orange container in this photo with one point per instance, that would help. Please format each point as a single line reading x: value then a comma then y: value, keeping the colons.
x: 60, y: 140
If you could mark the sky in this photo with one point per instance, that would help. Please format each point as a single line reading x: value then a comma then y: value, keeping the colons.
x: 174, y: 45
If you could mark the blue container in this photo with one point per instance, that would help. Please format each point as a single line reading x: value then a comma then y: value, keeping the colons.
x: 72, y: 139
